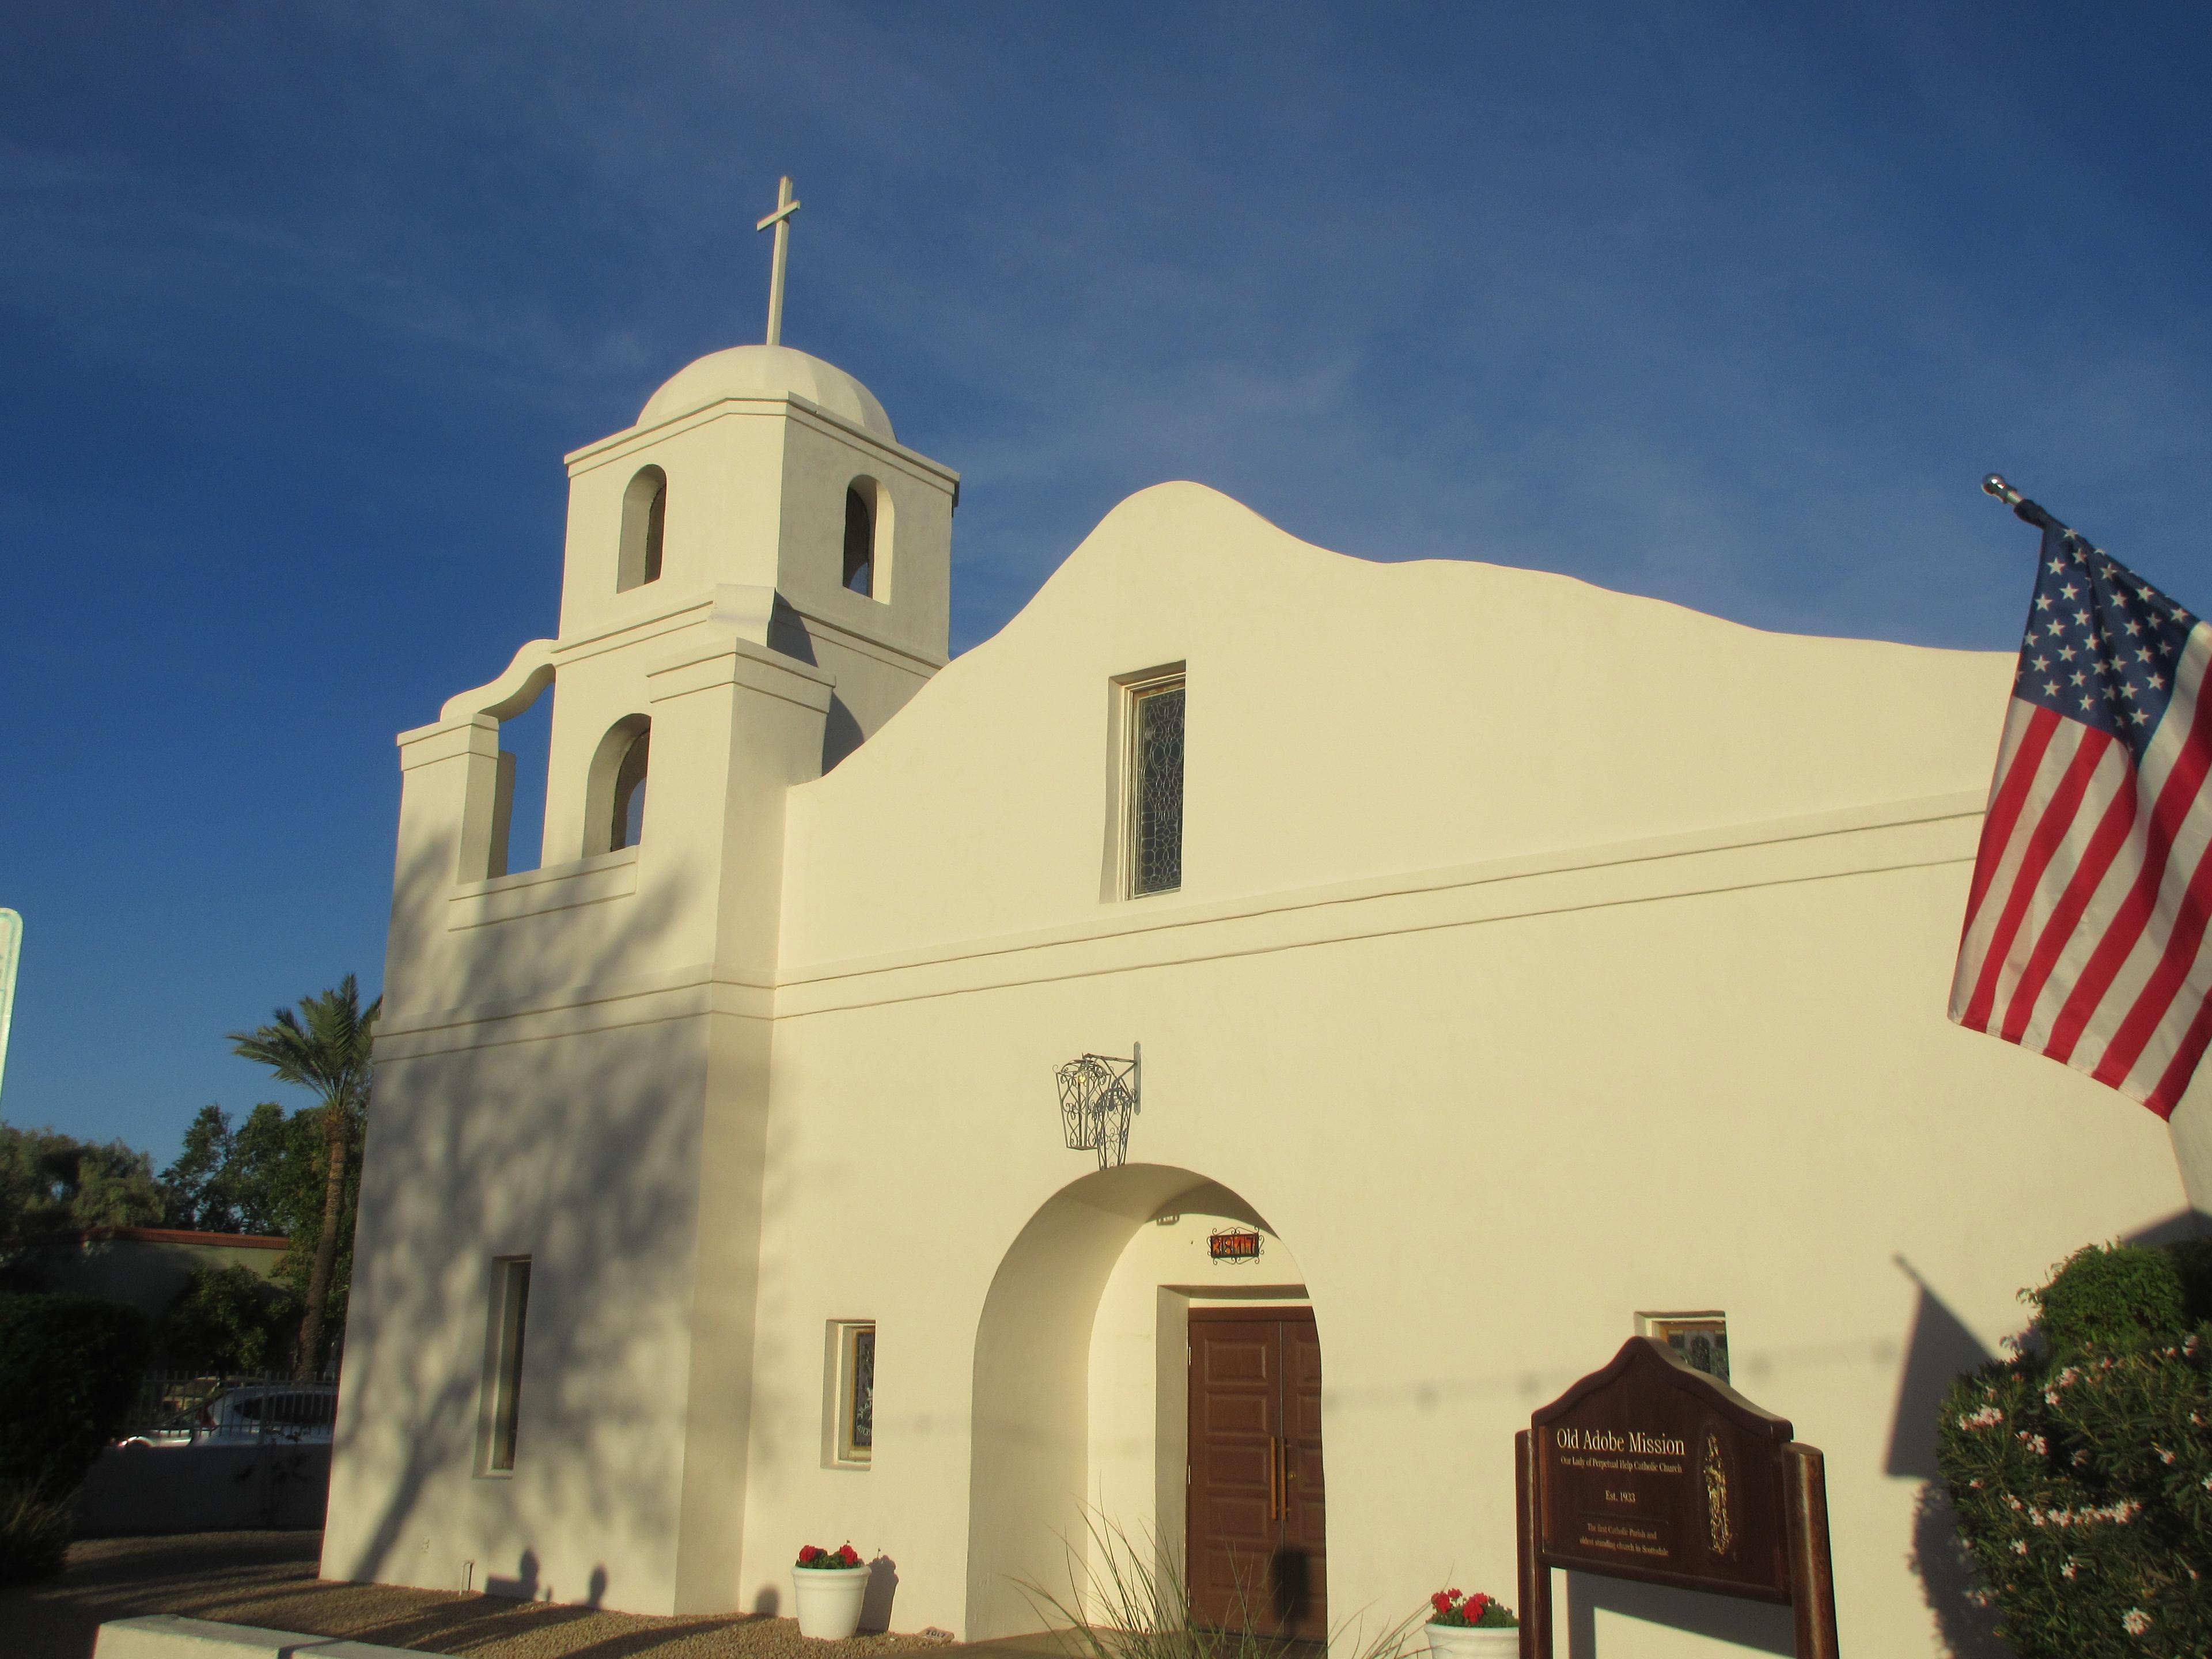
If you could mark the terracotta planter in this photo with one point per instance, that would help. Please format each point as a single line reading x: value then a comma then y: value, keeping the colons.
x: 1472, y: 1641
x: 829, y: 1600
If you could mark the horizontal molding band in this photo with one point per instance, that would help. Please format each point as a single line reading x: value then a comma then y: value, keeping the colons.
x: 1931, y: 832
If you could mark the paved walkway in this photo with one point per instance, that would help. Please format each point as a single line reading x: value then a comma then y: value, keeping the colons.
x: 268, y: 1578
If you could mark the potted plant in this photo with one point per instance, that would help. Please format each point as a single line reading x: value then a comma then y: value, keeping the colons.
x: 829, y: 1587
x: 1477, y: 1626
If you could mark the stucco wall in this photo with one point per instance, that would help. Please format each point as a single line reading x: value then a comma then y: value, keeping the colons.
x: 565, y: 1152
x: 1716, y: 1080
x: 1345, y: 719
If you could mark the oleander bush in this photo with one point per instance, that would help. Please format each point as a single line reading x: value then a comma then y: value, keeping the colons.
x: 2079, y: 1470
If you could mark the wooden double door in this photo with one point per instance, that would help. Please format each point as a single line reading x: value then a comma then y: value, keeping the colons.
x: 1254, y: 1520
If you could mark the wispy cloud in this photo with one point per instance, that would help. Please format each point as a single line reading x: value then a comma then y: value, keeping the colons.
x: 300, y: 306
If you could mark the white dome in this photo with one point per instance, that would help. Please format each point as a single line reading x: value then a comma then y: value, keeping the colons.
x: 766, y: 371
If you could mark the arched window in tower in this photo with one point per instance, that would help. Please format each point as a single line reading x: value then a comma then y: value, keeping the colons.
x: 626, y: 824
x: 860, y: 537
x: 614, y: 797
x: 645, y: 514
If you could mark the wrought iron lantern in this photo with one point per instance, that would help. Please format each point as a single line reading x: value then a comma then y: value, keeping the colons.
x: 1099, y: 1096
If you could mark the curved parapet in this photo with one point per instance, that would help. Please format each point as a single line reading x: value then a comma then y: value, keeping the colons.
x: 515, y: 691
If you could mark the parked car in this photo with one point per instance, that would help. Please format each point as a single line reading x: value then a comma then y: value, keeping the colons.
x: 271, y: 1411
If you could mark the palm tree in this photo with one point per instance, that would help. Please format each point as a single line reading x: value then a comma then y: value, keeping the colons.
x: 325, y: 1046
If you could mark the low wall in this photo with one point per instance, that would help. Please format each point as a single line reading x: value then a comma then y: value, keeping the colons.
x: 165, y: 1636
x: 155, y: 1489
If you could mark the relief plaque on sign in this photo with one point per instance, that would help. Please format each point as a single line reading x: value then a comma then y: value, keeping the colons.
x: 1650, y: 1470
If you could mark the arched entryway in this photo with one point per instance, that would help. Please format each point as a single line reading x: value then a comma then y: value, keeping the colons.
x: 1085, y: 1407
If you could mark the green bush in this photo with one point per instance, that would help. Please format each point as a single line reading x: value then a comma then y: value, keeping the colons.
x: 69, y: 1368
x: 2080, y: 1469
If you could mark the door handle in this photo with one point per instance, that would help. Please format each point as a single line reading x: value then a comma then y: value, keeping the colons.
x: 1274, y: 1489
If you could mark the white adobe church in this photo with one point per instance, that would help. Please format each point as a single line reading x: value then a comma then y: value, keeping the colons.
x: 1521, y: 965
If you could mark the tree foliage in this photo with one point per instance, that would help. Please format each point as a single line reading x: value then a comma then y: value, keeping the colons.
x: 225, y: 1319
x: 2080, y: 1469
x: 51, y: 1182
x: 325, y: 1046
x: 265, y: 1177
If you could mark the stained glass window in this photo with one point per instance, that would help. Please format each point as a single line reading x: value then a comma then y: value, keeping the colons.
x: 863, y: 1434
x: 1700, y: 1340
x: 1156, y: 789
x: 852, y: 1414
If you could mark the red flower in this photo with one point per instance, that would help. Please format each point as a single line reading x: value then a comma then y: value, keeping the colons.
x: 1477, y: 1605
x: 849, y: 1556
x: 1441, y: 1600
x: 808, y: 1554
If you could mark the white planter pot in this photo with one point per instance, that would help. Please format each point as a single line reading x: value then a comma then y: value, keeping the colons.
x: 829, y: 1600
x: 1468, y: 1642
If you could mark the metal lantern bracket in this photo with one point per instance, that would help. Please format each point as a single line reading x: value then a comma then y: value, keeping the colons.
x: 1099, y: 1096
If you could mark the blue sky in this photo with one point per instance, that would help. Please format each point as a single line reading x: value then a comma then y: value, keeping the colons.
x: 300, y: 307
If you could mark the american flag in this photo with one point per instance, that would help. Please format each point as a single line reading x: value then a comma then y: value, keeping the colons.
x: 2085, y: 936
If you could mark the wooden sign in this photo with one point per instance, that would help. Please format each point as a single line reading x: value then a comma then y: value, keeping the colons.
x: 1233, y: 1246
x: 1649, y: 1470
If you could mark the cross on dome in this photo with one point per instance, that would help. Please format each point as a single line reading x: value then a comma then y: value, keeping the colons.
x: 785, y: 205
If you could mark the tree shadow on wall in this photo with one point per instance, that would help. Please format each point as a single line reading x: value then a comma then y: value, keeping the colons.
x: 585, y: 1155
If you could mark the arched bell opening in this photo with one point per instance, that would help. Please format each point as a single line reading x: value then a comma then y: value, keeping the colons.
x: 865, y: 568
x: 614, y: 790
x: 644, y: 527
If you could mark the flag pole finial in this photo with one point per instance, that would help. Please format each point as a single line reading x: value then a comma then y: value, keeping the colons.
x: 2026, y: 511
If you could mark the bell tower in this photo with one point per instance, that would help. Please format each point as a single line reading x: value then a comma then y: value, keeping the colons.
x: 772, y: 484
x: 756, y: 578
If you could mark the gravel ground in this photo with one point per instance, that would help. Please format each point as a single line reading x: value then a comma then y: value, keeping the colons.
x: 268, y: 1578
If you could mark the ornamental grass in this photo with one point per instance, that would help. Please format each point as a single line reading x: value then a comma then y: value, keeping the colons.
x: 1129, y: 1600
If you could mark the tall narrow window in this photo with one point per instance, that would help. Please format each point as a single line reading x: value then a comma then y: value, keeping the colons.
x: 645, y: 518
x: 860, y: 540
x: 1155, y: 787
x: 852, y: 1393
x: 510, y: 1307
